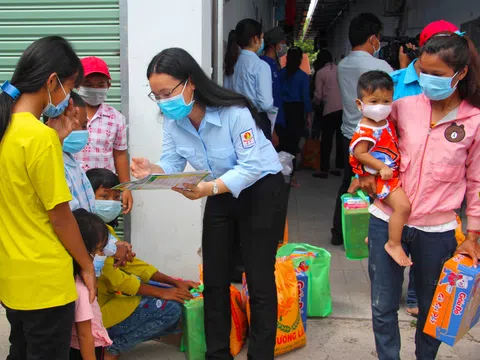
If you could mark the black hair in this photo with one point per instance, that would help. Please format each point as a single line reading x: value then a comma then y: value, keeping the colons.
x: 93, y: 230
x: 102, y: 178
x: 372, y: 81
x: 362, y: 27
x: 182, y: 66
x: 294, y: 60
x: 242, y: 36
x: 48, y: 55
x: 77, y: 100
x: 323, y: 58
x: 232, y: 53
x: 458, y: 52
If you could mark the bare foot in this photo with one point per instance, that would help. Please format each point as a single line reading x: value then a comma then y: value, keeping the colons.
x: 108, y: 356
x: 366, y: 240
x: 397, y: 253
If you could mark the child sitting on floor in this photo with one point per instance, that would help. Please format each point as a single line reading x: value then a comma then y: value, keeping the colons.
x: 89, y: 336
x: 374, y: 150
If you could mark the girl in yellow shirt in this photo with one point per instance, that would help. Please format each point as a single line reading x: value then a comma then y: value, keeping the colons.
x: 38, y: 233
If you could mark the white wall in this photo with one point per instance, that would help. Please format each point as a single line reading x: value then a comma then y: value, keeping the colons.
x: 236, y: 10
x: 419, y: 13
x: 166, y: 228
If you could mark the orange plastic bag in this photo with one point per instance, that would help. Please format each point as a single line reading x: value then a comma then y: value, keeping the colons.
x: 238, y: 332
x: 311, y: 154
x: 290, y: 331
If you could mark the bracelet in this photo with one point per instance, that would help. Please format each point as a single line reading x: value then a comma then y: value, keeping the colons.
x: 474, y: 231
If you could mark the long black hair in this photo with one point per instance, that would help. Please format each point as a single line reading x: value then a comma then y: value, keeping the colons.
x: 232, y: 53
x: 458, y: 51
x: 243, y: 34
x: 48, y: 55
x: 323, y: 58
x: 93, y: 230
x: 294, y: 60
x: 181, y: 65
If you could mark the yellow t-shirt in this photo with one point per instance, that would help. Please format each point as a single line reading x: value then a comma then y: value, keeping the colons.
x: 36, y: 271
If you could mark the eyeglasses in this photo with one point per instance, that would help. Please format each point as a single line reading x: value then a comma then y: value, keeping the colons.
x: 157, y: 98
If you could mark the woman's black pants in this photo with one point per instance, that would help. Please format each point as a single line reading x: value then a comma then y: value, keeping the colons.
x: 257, y: 216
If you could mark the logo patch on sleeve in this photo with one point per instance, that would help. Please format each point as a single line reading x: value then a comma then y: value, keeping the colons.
x: 248, y: 140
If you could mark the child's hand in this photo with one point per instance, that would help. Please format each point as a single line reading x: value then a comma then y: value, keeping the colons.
x: 65, y: 123
x: 386, y: 173
x: 174, y: 294
x: 187, y: 284
x: 127, y: 201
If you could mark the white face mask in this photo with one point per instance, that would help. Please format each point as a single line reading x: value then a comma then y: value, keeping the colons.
x: 93, y: 96
x: 376, y: 112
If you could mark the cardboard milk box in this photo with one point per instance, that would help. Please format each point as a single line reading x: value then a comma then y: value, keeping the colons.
x: 455, y: 307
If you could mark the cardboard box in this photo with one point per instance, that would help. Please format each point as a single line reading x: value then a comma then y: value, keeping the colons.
x: 455, y: 307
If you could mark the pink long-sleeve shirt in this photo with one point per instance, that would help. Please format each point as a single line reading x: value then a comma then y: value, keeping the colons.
x: 327, y: 89
x: 439, y: 165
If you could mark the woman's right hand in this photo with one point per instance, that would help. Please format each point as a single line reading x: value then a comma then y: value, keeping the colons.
x: 140, y: 167
x: 174, y: 294
x: 90, y: 280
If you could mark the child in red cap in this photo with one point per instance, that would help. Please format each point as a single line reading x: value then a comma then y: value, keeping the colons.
x: 107, y: 147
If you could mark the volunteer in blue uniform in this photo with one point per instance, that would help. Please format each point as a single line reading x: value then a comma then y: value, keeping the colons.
x: 275, y: 48
x: 250, y: 75
x: 216, y: 129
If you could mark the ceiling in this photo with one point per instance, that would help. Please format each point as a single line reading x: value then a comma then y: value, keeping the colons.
x: 325, y: 13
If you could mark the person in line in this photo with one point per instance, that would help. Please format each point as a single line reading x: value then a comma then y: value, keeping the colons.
x: 406, y: 83
x: 364, y: 36
x: 218, y: 130
x: 295, y: 88
x: 374, y: 150
x: 125, y: 294
x: 107, y: 147
x: 275, y: 48
x: 250, y: 76
x: 38, y: 233
x: 89, y: 336
x: 327, y: 92
x: 439, y: 137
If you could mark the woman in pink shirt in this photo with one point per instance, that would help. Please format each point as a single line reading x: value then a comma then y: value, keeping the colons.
x: 439, y: 143
x: 327, y: 92
x: 89, y: 336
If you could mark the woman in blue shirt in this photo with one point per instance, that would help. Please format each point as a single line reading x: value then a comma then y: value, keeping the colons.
x: 250, y: 76
x: 295, y: 87
x: 216, y: 129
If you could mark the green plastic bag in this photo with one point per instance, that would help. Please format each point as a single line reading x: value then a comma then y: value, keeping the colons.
x: 193, y: 341
x: 355, y: 223
x: 317, y: 268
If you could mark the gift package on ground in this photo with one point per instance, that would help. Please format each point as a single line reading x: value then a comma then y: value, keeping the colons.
x: 355, y: 221
x: 315, y: 262
x: 455, y: 307
x: 290, y: 329
x: 193, y: 341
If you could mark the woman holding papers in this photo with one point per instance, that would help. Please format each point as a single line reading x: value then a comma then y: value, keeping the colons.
x: 218, y: 130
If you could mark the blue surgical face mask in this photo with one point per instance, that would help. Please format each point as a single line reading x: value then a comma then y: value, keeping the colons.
x: 262, y: 46
x: 76, y: 141
x: 175, y: 107
x: 283, y: 50
x: 53, y: 111
x: 108, y: 210
x: 111, y: 247
x: 98, y: 264
x: 437, y: 87
x: 376, y: 52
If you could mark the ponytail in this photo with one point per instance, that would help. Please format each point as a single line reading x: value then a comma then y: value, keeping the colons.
x: 44, y: 57
x: 294, y: 60
x: 232, y: 53
x: 458, y: 51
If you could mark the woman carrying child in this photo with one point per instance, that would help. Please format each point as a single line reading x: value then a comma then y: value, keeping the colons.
x: 439, y: 144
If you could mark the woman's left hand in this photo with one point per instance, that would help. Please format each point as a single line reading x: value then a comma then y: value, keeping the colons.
x: 470, y: 247
x: 195, y: 192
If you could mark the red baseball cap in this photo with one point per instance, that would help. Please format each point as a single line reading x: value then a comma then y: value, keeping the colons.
x: 93, y: 64
x: 435, y: 28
